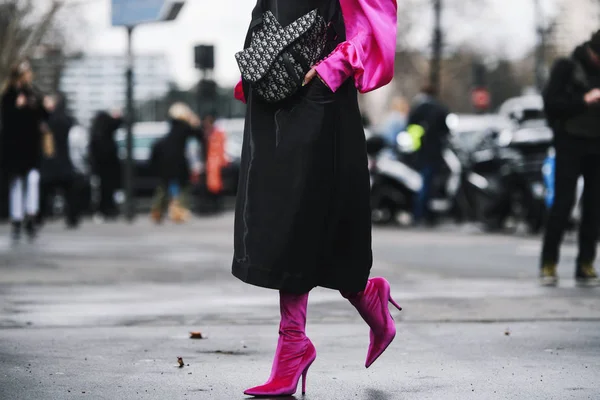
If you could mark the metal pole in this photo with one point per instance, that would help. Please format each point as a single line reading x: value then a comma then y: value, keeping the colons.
x: 436, y: 59
x: 130, y: 119
x: 539, y: 52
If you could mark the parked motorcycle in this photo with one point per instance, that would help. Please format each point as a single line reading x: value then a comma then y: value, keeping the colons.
x: 395, y: 181
x: 502, y: 185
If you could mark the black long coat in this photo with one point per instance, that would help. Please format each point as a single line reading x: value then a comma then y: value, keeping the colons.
x: 168, y: 157
x: 21, y: 137
x: 104, y: 153
x: 59, y: 167
x: 303, y: 216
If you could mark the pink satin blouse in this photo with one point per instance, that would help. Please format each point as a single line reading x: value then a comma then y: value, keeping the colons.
x: 369, y: 51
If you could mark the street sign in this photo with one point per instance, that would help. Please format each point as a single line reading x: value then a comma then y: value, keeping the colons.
x: 135, y: 12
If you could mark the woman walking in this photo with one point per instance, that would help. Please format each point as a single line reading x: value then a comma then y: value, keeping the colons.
x: 105, y: 162
x: 303, y: 216
x: 23, y: 118
x: 172, y: 167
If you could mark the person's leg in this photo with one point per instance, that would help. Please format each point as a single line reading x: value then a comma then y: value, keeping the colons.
x: 372, y: 305
x: 174, y: 189
x: 185, y: 197
x: 113, y: 187
x: 421, y: 205
x: 105, y: 194
x: 590, y: 220
x: 45, y: 188
x: 177, y: 212
x: 568, y: 169
x: 70, y: 188
x: 159, y: 203
x: 17, y: 213
x: 32, y: 201
x: 295, y: 352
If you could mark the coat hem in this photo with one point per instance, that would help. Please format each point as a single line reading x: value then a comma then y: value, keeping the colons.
x: 256, y: 276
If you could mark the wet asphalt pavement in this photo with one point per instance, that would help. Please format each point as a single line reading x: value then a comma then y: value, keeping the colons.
x: 107, y: 309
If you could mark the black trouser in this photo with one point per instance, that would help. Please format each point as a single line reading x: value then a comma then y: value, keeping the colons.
x: 69, y: 188
x: 570, y: 165
x: 108, y: 187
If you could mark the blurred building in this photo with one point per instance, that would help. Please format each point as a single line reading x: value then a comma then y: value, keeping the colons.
x: 95, y: 82
x: 48, y: 64
x: 575, y: 23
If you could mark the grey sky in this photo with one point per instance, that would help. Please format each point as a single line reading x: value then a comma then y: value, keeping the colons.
x: 505, y: 26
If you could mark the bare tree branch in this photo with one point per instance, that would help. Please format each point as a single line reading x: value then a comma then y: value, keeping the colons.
x: 23, y: 26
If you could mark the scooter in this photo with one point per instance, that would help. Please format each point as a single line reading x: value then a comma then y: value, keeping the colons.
x: 395, y: 181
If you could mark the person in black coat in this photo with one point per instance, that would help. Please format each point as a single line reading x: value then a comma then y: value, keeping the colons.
x: 430, y: 115
x: 105, y: 161
x: 23, y: 117
x: 572, y: 105
x: 170, y: 164
x: 58, y: 172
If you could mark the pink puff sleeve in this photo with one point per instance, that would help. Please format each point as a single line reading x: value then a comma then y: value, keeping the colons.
x: 238, y: 92
x: 369, y: 51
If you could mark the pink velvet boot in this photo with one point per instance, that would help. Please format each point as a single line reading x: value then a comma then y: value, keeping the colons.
x: 372, y: 304
x: 295, y: 352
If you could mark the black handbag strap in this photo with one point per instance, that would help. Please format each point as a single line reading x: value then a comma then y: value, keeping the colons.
x: 257, y: 19
x: 332, y: 14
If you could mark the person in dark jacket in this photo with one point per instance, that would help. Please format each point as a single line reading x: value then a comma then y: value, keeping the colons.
x: 427, y: 124
x: 572, y: 105
x: 23, y: 117
x: 58, y: 172
x: 171, y: 165
x: 105, y: 161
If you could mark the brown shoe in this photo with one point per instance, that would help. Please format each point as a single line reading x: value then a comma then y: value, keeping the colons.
x: 586, y: 275
x: 156, y: 216
x: 548, y: 276
x: 178, y: 213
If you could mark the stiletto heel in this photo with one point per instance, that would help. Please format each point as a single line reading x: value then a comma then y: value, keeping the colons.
x: 395, y: 304
x: 304, y: 379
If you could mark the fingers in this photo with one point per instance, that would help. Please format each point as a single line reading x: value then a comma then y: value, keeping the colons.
x: 309, y: 76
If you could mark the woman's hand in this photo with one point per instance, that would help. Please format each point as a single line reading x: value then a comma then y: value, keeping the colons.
x: 310, y: 76
x: 21, y: 101
x: 592, y: 97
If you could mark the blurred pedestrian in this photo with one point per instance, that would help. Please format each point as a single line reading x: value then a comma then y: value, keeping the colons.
x: 427, y: 126
x: 215, y: 160
x: 171, y: 166
x: 105, y: 161
x: 58, y: 173
x: 396, y: 121
x: 303, y: 216
x: 572, y: 105
x: 23, y: 133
